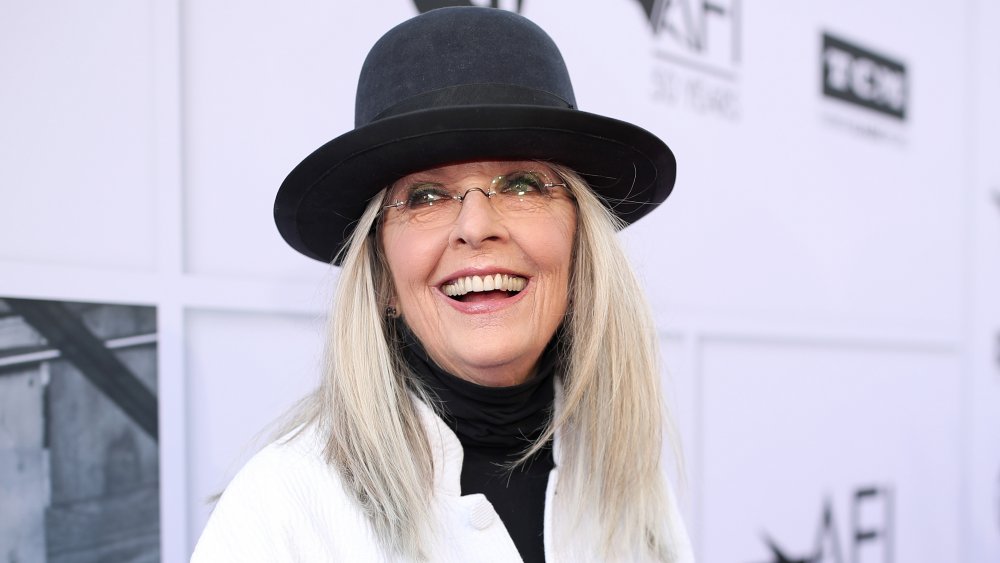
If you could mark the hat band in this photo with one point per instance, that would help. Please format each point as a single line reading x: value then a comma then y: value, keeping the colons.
x: 475, y: 95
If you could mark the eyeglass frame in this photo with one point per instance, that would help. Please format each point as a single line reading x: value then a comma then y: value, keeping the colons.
x: 489, y: 194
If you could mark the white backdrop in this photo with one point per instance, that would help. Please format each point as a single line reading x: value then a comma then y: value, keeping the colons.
x: 824, y: 277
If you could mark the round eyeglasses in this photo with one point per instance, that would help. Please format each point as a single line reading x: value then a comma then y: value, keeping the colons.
x: 513, y: 194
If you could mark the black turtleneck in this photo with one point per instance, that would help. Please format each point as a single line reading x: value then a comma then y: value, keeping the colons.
x: 494, y: 426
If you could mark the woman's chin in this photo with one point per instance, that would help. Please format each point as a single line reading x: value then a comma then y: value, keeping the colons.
x: 497, y: 378
x: 496, y: 368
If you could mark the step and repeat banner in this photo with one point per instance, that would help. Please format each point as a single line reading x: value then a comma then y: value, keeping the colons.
x: 824, y: 276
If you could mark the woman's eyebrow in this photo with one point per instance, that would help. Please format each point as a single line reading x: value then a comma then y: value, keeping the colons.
x: 413, y: 184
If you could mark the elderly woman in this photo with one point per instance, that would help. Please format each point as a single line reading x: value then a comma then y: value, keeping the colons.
x: 491, y: 389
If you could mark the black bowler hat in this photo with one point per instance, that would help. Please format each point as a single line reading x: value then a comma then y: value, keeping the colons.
x: 461, y: 84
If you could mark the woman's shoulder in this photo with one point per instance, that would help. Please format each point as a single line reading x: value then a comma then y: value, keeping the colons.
x: 297, y: 454
x: 279, y: 472
x: 286, y: 500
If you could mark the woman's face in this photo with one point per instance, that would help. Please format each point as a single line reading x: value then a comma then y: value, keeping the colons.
x: 488, y: 337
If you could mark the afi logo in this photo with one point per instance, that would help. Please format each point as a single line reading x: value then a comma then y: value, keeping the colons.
x: 705, y: 33
x: 427, y: 5
x: 864, y: 78
x: 870, y: 536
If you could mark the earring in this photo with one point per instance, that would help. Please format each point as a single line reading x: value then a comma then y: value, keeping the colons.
x: 391, y: 312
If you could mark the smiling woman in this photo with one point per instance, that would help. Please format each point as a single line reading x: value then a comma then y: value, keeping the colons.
x: 491, y: 388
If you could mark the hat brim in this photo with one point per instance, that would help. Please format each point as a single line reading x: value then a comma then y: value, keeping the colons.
x: 322, y: 199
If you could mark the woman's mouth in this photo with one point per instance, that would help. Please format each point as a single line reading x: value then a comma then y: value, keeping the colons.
x: 483, y: 288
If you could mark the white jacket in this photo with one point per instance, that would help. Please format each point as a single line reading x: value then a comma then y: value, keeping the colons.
x: 288, y: 504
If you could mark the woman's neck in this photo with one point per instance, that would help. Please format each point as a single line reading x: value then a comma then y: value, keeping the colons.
x: 481, y: 416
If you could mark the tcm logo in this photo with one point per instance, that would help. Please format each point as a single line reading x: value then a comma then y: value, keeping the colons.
x: 427, y: 5
x: 701, y: 33
x: 869, y: 532
x: 862, y: 77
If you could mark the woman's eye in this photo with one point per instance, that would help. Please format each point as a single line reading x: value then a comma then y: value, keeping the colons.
x: 522, y: 183
x: 426, y: 196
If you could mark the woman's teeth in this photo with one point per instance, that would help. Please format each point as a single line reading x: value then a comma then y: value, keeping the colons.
x: 497, y: 282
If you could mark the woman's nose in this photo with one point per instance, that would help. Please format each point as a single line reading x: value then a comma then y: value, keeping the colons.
x: 477, y: 220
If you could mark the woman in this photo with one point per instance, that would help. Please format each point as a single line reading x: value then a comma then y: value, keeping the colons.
x: 491, y: 391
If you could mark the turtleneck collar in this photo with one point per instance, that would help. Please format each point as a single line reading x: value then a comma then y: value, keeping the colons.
x: 507, y: 418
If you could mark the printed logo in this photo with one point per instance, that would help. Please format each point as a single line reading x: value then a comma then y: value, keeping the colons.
x: 698, y: 46
x: 869, y: 539
x: 864, y: 78
x: 427, y: 5
x: 703, y: 35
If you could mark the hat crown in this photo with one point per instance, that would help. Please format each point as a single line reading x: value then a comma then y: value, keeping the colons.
x: 461, y: 56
